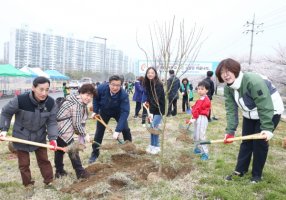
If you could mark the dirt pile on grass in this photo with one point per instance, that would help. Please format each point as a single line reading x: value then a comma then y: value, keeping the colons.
x: 126, y: 170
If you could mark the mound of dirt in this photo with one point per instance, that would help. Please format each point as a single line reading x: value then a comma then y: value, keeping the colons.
x: 185, y: 138
x: 125, y: 169
x: 110, y: 146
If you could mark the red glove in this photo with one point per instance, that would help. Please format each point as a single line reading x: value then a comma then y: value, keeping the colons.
x: 227, y: 136
x: 53, y: 143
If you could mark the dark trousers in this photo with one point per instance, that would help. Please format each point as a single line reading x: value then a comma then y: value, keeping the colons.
x: 185, y: 103
x: 137, y: 108
x: 144, y: 115
x: 209, y: 116
x: 172, y: 108
x: 257, y: 148
x: 43, y: 163
x: 74, y: 158
x: 100, y: 129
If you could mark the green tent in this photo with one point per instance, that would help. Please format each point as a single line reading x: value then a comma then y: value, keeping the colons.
x: 9, y: 70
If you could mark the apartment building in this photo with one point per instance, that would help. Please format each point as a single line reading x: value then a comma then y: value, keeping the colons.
x: 63, y: 53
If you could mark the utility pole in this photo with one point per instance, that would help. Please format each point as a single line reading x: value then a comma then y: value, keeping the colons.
x: 254, y: 29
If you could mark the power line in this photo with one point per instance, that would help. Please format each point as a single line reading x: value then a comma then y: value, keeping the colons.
x: 255, y: 28
x: 272, y: 13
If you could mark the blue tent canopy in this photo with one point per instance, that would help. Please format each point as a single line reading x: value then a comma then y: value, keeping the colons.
x: 54, y: 74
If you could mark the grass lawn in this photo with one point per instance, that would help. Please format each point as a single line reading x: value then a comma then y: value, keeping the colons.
x: 187, y: 177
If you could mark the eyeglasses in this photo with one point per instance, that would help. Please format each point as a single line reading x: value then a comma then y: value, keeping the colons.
x: 115, y: 85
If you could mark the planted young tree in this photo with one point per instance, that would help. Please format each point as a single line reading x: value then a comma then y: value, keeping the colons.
x: 172, y: 47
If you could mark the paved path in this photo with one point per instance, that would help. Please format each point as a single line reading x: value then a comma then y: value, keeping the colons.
x: 55, y: 95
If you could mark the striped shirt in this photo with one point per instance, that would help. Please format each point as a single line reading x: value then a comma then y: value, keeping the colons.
x: 72, y: 117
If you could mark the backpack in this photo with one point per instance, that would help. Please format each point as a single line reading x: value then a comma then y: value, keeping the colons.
x: 59, y: 103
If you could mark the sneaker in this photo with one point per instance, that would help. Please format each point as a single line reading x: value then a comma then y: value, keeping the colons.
x: 149, y: 149
x: 204, y: 156
x: 197, y: 151
x: 92, y: 159
x: 60, y: 174
x: 214, y: 118
x: 234, y: 174
x: 50, y: 186
x: 255, y: 179
x: 155, y: 150
x: 84, y: 175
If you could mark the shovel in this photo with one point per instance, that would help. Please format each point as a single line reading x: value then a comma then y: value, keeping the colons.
x: 185, y: 129
x: 150, y: 129
x: 17, y: 140
x: 256, y: 136
x: 99, y: 118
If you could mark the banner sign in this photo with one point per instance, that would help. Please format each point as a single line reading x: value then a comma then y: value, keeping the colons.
x: 198, y: 68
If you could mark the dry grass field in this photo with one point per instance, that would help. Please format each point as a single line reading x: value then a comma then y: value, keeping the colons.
x: 127, y: 172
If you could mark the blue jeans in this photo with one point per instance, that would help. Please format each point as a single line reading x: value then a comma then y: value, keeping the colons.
x: 155, y: 124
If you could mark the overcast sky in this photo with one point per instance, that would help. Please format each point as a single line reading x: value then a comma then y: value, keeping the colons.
x: 119, y: 20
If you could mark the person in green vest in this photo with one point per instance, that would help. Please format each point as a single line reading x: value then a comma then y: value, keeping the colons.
x: 66, y: 89
x: 187, y: 92
x: 261, y: 106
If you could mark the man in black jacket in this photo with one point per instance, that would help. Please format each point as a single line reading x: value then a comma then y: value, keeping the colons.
x: 35, y: 119
x: 173, y: 86
x: 211, y: 90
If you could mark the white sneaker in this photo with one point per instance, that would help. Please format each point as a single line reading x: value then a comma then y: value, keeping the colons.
x: 144, y: 125
x: 155, y: 150
x: 149, y: 149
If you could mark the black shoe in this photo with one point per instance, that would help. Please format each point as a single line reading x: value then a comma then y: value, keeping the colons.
x: 60, y: 174
x: 83, y: 175
x: 255, y: 179
x: 234, y: 174
x: 92, y: 159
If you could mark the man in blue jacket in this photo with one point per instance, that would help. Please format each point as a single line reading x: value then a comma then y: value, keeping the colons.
x: 111, y: 102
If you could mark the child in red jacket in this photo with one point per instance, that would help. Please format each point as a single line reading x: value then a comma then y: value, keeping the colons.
x: 200, y: 111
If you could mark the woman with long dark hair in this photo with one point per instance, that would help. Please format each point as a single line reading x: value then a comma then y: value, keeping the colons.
x: 156, y: 99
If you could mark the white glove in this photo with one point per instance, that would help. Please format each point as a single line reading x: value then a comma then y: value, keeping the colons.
x: 93, y: 115
x: 87, y: 138
x: 3, y: 133
x: 115, y: 135
x: 191, y: 121
x: 183, y: 93
x: 150, y: 116
x: 268, y: 134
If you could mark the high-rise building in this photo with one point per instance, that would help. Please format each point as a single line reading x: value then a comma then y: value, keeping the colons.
x: 50, y: 51
x: 6, y: 52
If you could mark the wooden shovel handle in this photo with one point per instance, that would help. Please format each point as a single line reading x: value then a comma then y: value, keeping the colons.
x: 17, y: 140
x: 146, y: 106
x: 256, y: 136
x: 99, y: 118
